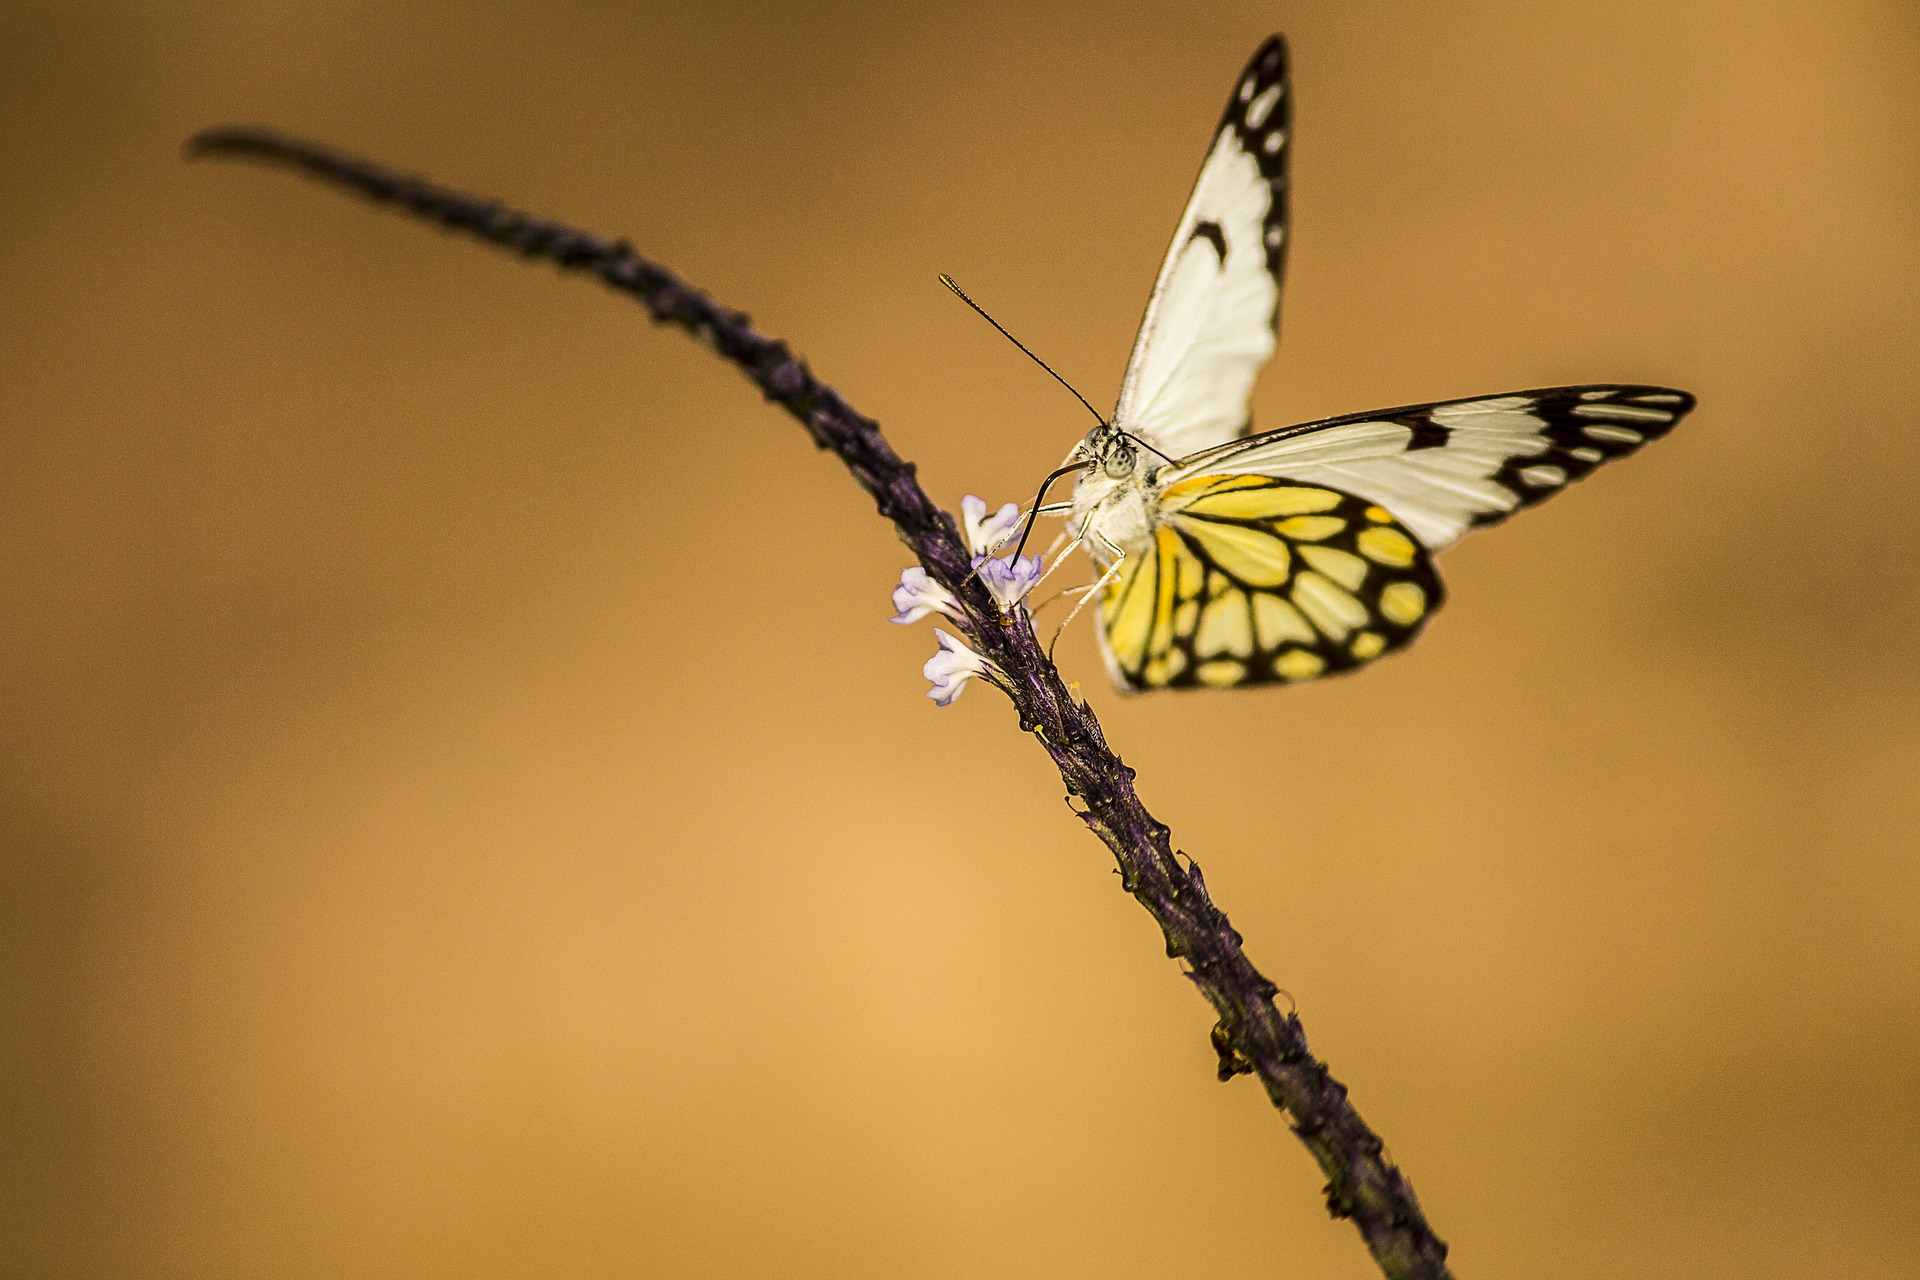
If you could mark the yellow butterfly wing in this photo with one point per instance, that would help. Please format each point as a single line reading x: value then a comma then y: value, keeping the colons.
x: 1259, y: 580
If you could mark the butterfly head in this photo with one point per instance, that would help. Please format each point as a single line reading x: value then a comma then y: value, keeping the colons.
x: 1108, y: 452
x: 1113, y: 499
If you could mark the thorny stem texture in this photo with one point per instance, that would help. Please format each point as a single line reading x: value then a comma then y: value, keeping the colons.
x: 1252, y: 1035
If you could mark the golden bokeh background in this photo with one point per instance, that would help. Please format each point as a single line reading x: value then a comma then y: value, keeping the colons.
x: 465, y: 814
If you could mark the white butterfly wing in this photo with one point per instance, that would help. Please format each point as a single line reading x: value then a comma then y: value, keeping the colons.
x: 1211, y: 318
x: 1444, y: 468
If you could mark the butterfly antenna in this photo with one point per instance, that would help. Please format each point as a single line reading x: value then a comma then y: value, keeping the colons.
x: 959, y: 293
x: 1149, y: 448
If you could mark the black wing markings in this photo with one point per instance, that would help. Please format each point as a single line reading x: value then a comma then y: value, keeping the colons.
x: 1210, y: 232
x: 1261, y: 116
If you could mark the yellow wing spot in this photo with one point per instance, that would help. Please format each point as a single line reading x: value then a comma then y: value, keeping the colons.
x: 1334, y: 611
x: 1403, y: 603
x: 1225, y: 628
x: 1298, y: 664
x: 1386, y: 546
x: 1220, y: 673
x: 1170, y: 566
x: 1184, y: 618
x: 1216, y: 484
x: 1254, y: 556
x: 1164, y: 668
x: 1344, y: 567
x: 1130, y: 616
x: 1257, y: 499
x: 1275, y: 620
x: 1368, y: 644
x: 1310, y: 528
x: 1184, y: 574
x: 1288, y: 500
x: 1380, y: 515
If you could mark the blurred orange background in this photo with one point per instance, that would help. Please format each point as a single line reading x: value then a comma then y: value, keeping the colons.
x: 464, y: 813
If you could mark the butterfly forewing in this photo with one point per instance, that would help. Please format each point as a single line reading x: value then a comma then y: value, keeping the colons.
x: 1253, y: 580
x: 1210, y: 320
x: 1448, y: 467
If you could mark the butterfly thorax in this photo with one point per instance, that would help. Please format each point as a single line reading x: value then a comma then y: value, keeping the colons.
x: 1114, y: 499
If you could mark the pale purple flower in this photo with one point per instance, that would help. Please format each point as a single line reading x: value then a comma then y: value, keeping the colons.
x: 985, y: 533
x: 919, y: 595
x: 1008, y: 580
x: 952, y: 667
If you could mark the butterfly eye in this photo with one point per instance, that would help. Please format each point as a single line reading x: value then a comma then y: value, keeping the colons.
x: 1119, y: 463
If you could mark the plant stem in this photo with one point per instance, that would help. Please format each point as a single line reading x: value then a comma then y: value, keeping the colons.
x: 1252, y: 1035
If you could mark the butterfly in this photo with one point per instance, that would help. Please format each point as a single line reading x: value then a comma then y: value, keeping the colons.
x: 1228, y: 558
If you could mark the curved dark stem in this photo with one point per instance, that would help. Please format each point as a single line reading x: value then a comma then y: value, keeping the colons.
x: 1252, y: 1035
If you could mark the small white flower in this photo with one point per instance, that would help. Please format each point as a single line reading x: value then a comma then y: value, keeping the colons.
x: 985, y: 533
x: 952, y: 667
x: 1008, y: 580
x: 919, y: 595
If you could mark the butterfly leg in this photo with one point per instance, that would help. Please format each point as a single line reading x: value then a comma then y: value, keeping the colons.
x: 1056, y: 560
x: 1079, y: 536
x: 1064, y: 591
x: 1120, y: 558
x: 1052, y: 509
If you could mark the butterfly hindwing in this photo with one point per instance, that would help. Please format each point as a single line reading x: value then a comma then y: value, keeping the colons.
x: 1448, y: 467
x: 1209, y: 324
x: 1253, y: 580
